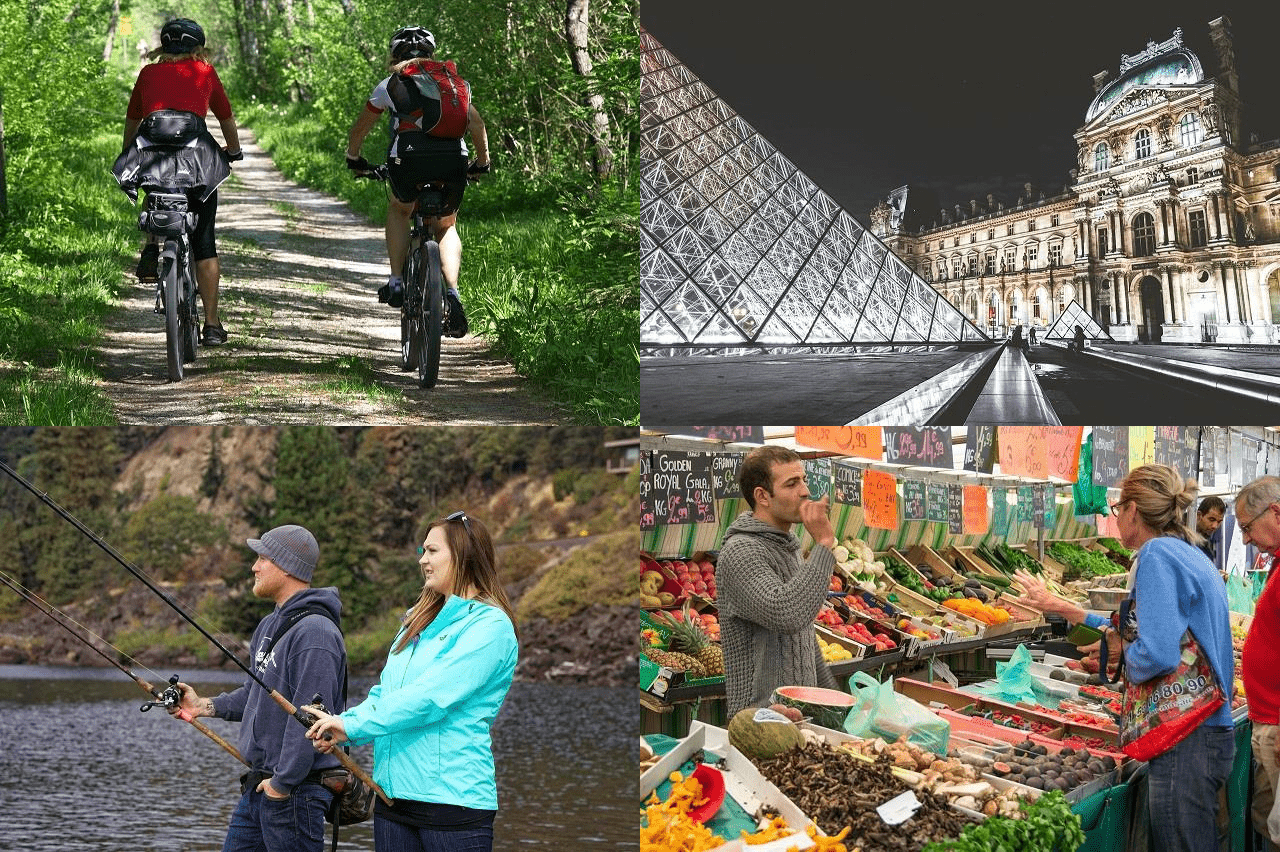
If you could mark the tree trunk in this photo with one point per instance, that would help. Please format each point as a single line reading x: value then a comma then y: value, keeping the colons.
x: 111, y: 30
x: 576, y: 28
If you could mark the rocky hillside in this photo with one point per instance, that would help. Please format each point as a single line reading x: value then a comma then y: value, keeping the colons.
x: 560, y: 533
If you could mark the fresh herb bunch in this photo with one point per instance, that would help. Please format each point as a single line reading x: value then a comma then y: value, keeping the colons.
x: 1115, y: 546
x: 1048, y: 825
x: 1080, y: 562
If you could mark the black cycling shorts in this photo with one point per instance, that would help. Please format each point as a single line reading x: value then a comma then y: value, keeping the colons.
x: 408, y: 174
x: 202, y: 246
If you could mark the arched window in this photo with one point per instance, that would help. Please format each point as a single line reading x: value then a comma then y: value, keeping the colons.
x: 1144, y: 235
x: 1142, y: 143
x: 1189, y: 130
x: 1101, y: 157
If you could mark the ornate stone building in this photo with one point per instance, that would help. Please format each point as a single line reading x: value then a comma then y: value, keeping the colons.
x: 1169, y: 229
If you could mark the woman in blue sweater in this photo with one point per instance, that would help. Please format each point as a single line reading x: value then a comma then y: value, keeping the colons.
x: 429, y: 715
x: 1175, y: 588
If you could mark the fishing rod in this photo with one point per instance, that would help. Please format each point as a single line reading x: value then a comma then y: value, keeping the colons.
x: 305, y: 717
x: 169, y: 698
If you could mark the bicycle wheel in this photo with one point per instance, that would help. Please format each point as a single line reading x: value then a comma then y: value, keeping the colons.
x: 190, y: 317
x: 432, y: 316
x: 409, y: 327
x: 172, y: 312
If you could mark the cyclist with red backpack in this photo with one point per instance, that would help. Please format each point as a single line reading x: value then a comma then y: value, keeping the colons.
x: 431, y: 112
x: 182, y: 79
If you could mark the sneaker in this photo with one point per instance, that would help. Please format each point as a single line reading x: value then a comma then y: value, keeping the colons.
x: 392, y: 293
x: 213, y: 335
x: 457, y: 318
x: 149, y: 263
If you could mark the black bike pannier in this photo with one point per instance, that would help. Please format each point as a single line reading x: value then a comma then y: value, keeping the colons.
x: 166, y: 214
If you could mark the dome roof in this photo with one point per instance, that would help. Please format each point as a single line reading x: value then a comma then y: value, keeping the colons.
x: 1168, y: 64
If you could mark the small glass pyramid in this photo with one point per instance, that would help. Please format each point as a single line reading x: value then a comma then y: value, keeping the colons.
x: 740, y: 251
x: 1064, y: 327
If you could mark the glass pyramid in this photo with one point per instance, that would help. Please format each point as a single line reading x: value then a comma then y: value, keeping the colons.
x: 1064, y: 327
x: 740, y: 251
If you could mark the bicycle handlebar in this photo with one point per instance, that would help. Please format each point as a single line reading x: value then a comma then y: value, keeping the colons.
x: 379, y: 172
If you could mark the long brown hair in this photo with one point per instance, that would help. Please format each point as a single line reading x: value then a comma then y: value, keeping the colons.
x: 474, y: 565
x: 1162, y: 496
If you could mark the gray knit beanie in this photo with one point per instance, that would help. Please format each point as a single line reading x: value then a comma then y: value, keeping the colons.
x: 291, y: 547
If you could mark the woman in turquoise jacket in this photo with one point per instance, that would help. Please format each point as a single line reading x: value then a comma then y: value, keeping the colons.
x: 429, y: 715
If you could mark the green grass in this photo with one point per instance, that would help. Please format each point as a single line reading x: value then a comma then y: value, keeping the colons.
x: 548, y: 273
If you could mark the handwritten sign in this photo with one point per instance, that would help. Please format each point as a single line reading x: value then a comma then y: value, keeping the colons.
x: 912, y: 500
x: 1062, y: 451
x: 976, y: 518
x: 724, y: 475
x: 817, y: 472
x: 1026, y: 504
x: 927, y: 446
x: 935, y: 501
x: 682, y: 488
x: 1110, y: 455
x: 1024, y: 451
x: 1000, y: 511
x: 880, y: 499
x: 1047, y: 517
x: 1142, y: 446
x: 980, y: 449
x: 846, y: 485
x: 1249, y: 464
x: 1208, y: 463
x: 740, y: 434
x: 1179, y: 447
x: 955, y: 509
x: 648, y: 520
x: 860, y: 441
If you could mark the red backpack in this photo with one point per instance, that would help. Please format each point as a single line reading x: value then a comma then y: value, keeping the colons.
x: 432, y: 100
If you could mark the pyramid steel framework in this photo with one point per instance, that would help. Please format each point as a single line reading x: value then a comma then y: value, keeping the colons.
x: 740, y: 251
x: 1064, y: 327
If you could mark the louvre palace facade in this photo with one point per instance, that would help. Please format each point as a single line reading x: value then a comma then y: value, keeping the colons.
x: 1167, y: 231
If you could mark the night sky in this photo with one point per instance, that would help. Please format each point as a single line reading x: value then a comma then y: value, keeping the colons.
x: 967, y: 99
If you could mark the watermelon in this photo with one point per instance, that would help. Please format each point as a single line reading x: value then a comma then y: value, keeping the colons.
x: 762, y: 734
x: 825, y: 707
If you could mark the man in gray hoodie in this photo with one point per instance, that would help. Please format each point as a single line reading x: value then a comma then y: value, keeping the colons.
x: 297, y: 650
x: 768, y: 596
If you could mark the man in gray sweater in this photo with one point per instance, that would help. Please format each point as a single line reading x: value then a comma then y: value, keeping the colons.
x: 768, y: 596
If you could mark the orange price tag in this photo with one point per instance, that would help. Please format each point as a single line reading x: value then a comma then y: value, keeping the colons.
x: 861, y: 441
x: 1023, y: 451
x: 977, y: 519
x: 1063, y: 447
x: 880, y: 499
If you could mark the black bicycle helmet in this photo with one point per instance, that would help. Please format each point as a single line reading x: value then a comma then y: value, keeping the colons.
x: 412, y: 43
x: 181, y: 35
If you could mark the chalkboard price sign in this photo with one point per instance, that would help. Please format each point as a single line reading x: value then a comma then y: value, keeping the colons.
x: 927, y: 446
x: 1110, y: 454
x: 818, y: 474
x: 980, y: 449
x: 912, y: 500
x: 724, y: 475
x: 682, y: 488
x: 955, y: 509
x: 935, y: 502
x: 1026, y: 504
x: 847, y: 486
x: 648, y: 519
x: 1000, y: 511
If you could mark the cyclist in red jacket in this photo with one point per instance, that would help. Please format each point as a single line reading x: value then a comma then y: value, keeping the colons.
x: 410, y: 46
x: 181, y: 78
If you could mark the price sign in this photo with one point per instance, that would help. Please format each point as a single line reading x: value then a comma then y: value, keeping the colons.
x: 1208, y: 464
x: 740, y: 434
x: 648, y: 519
x: 1110, y: 455
x: 1046, y: 517
x: 880, y: 500
x: 1142, y: 446
x: 847, y: 484
x: 955, y: 509
x: 912, y: 500
x: 724, y: 475
x: 1024, y: 451
x: 976, y: 518
x: 860, y: 441
x: 980, y: 449
x: 1249, y: 470
x: 1026, y: 504
x: 1000, y: 511
x: 682, y: 488
x: 927, y: 446
x: 1062, y: 448
x: 817, y: 472
x: 935, y: 502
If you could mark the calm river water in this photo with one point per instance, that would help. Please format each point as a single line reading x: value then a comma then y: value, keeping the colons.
x: 81, y: 768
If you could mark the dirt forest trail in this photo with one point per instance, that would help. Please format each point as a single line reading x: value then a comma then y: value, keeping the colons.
x: 309, y: 341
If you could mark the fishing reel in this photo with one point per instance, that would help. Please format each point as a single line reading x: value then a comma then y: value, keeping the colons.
x: 308, y: 718
x: 170, y: 698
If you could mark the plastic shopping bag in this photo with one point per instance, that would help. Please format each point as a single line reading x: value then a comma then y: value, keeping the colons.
x: 1013, y: 680
x: 882, y: 712
x: 1239, y: 594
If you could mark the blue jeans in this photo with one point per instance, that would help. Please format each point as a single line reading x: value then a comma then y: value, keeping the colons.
x: 295, y: 824
x: 391, y: 836
x: 1183, y: 790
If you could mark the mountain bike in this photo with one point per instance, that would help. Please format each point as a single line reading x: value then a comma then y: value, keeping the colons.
x: 165, y: 215
x: 425, y: 312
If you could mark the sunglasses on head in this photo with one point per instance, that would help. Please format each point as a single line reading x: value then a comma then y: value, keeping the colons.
x: 457, y: 516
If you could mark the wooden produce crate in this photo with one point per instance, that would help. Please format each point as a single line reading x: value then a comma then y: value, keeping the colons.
x: 830, y: 636
x: 918, y: 554
x: 933, y: 695
x: 912, y: 603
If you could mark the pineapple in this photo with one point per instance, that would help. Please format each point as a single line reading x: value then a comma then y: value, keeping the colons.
x: 677, y: 661
x: 689, y: 638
